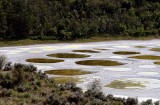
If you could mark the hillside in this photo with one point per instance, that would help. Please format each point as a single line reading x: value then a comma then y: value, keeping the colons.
x: 73, y: 19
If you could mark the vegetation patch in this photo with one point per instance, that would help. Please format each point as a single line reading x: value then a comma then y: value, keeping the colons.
x: 126, y: 52
x: 86, y: 51
x: 68, y: 72
x: 147, y: 57
x: 117, y: 84
x: 63, y: 80
x: 22, y: 84
x: 140, y: 46
x: 100, y: 49
x: 99, y: 63
x: 68, y: 55
x: 44, y: 60
x: 158, y: 62
x: 155, y: 49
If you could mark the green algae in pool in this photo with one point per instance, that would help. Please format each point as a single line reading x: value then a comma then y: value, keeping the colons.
x: 126, y: 52
x: 68, y: 55
x: 43, y: 60
x: 86, y: 51
x: 63, y: 80
x: 158, y: 62
x: 100, y: 49
x: 155, y: 49
x: 147, y: 57
x: 118, y: 84
x: 99, y: 63
x: 140, y: 46
x: 68, y: 72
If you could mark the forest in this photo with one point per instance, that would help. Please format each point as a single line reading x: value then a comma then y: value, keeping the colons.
x: 73, y: 19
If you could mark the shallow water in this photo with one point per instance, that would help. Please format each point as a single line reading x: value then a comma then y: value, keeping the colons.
x: 144, y: 71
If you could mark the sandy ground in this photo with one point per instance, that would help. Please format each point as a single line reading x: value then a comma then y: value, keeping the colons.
x: 143, y: 71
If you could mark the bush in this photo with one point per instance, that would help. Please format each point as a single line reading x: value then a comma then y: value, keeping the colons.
x: 38, y: 83
x: 6, y: 81
x: 42, y: 37
x: 117, y: 103
x: 26, y: 68
x: 29, y: 68
x: 53, y: 100
x: 3, y: 60
x: 157, y: 103
x: 21, y: 89
x: 8, y: 66
x: 26, y: 95
x: 148, y: 102
x: 74, y: 98
x: 96, y: 102
x: 70, y: 85
x: 110, y: 97
x: 5, y: 93
x: 18, y: 75
x: 132, y: 101
x: 100, y: 96
x: 95, y: 86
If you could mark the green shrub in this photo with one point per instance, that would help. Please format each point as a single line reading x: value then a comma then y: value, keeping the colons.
x: 132, y: 101
x: 8, y: 66
x: 5, y: 93
x: 148, y: 102
x: 3, y: 61
x: 157, y: 102
x: 117, y: 103
x: 96, y: 102
x: 26, y: 95
x: 38, y: 83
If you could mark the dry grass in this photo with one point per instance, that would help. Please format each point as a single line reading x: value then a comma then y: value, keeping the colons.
x: 99, y: 38
x: 99, y: 63
x: 68, y: 55
x: 26, y: 42
x: 44, y: 60
x: 92, y: 39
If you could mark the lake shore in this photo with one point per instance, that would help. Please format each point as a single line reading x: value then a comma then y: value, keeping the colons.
x: 7, y: 43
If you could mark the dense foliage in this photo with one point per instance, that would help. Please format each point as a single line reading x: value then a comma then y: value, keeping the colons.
x: 71, y: 19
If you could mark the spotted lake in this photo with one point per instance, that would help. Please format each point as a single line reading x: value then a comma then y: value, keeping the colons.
x: 125, y: 68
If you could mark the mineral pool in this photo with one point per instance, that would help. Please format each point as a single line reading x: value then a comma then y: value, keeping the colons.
x: 132, y: 78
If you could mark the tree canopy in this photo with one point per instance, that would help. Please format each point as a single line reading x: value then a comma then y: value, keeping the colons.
x: 72, y: 19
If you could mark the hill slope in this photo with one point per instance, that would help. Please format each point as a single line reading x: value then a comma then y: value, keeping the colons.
x: 72, y: 19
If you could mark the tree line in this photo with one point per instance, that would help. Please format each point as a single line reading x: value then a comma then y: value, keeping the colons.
x: 72, y: 19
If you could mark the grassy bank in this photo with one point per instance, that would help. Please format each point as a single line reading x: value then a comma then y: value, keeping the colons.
x: 5, y: 43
